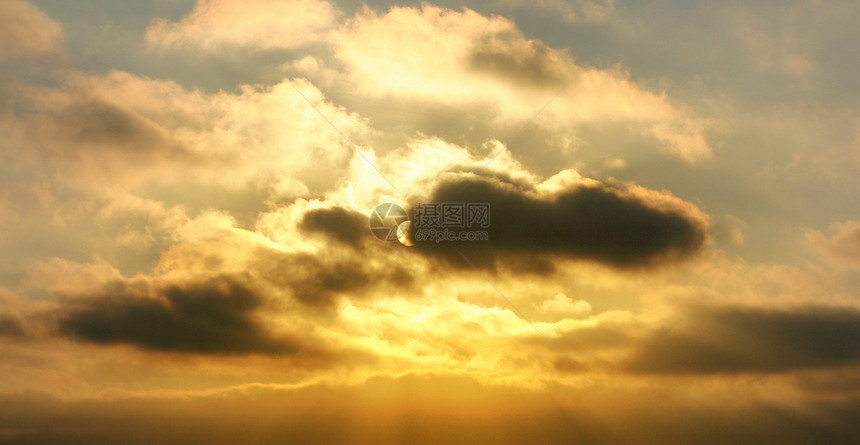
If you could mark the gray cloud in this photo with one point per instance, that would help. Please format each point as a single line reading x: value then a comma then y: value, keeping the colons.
x: 215, y: 316
x: 527, y: 230
x: 74, y: 131
x: 97, y: 121
x: 11, y: 325
x: 739, y: 340
x: 509, y: 57
x: 318, y: 281
x: 214, y: 311
x: 589, y: 222
x: 342, y: 225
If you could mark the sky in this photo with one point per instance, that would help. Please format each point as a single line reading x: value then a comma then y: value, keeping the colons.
x: 646, y: 227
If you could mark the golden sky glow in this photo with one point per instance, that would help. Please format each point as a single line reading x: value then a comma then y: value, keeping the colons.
x: 673, y: 237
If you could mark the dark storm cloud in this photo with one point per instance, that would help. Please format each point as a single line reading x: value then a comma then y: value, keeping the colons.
x: 215, y: 316
x: 521, y: 62
x: 342, y: 225
x: 590, y: 222
x: 741, y: 340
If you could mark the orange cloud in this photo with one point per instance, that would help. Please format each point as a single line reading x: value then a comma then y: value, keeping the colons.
x: 262, y: 24
x: 26, y: 31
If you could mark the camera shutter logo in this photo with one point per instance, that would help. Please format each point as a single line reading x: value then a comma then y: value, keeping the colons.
x: 385, y: 219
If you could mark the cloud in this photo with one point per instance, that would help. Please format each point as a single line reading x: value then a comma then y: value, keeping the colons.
x: 473, y: 76
x: 569, y: 365
x: 533, y: 223
x: 133, y: 132
x: 595, y: 340
x: 484, y: 68
x: 508, y: 56
x: 97, y: 123
x: 317, y: 281
x: 313, y: 274
x: 625, y: 229
x: 451, y: 409
x: 615, y: 164
x: 11, y: 325
x: 258, y: 24
x: 250, y: 212
x: 214, y: 316
x: 571, y: 11
x: 596, y: 337
x: 221, y: 291
x: 342, y: 225
x: 62, y: 276
x: 563, y: 306
x: 89, y: 136
x: 727, y: 340
x: 224, y: 129
x: 117, y: 163
x: 730, y: 230
x: 842, y: 245
x: 27, y: 31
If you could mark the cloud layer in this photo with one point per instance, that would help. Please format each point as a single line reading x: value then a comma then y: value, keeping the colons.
x: 741, y: 339
x: 671, y: 254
